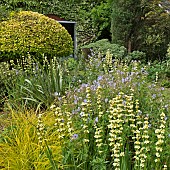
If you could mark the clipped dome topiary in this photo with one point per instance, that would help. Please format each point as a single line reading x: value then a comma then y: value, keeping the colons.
x: 28, y: 31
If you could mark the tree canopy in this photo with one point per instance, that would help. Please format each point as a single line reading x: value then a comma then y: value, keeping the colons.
x: 140, y: 25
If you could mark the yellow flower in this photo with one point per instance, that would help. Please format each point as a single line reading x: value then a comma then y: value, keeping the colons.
x: 142, y: 165
x: 146, y: 142
x: 99, y: 145
x: 115, y: 164
x: 159, y: 149
x: 157, y: 154
x: 137, y: 147
x: 157, y: 130
x: 137, y: 142
x: 122, y: 154
x: 86, y: 140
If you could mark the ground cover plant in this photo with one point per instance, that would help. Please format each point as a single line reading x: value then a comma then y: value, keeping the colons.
x: 108, y: 117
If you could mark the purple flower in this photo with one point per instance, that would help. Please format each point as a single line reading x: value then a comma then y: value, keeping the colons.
x: 166, y: 106
x: 154, y: 96
x: 75, y: 101
x: 17, y: 72
x: 100, y: 78
x: 85, y: 100
x: 124, y: 102
x: 123, y: 80
x: 59, y: 98
x: 93, y: 87
x: 162, y: 88
x: 84, y: 85
x: 96, y: 120
x: 75, y: 136
x: 74, y: 112
x: 142, y: 69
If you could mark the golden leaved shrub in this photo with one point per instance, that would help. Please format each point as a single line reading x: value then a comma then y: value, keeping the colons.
x: 28, y: 31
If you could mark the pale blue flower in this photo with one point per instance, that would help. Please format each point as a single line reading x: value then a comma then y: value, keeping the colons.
x: 75, y: 136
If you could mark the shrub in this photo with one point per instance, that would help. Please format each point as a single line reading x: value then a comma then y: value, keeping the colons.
x: 102, y: 46
x: 136, y: 55
x: 28, y: 31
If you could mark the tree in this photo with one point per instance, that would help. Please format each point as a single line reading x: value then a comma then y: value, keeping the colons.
x: 156, y: 30
x: 126, y: 21
x: 135, y: 24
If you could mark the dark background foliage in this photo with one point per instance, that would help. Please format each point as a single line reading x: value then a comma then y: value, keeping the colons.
x: 138, y: 25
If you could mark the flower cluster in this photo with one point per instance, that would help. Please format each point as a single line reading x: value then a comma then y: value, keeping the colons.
x: 40, y: 128
x: 145, y: 143
x: 141, y: 136
x: 97, y: 123
x: 108, y: 60
x: 63, y: 120
x: 59, y: 122
x: 137, y: 146
x: 129, y: 114
x: 86, y: 114
x: 160, y: 133
x: 116, y: 128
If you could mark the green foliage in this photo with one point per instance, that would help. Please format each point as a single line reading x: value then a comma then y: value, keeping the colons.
x: 136, y: 55
x: 101, y: 19
x: 74, y: 10
x: 162, y: 71
x: 141, y: 25
x: 6, y: 75
x: 138, y: 25
x: 28, y: 31
x: 156, y: 31
x: 3, y: 13
x: 168, y: 52
x: 35, y: 87
x: 102, y: 46
x: 125, y: 21
x: 71, y: 64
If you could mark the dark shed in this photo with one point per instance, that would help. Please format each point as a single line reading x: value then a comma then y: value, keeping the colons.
x: 70, y: 26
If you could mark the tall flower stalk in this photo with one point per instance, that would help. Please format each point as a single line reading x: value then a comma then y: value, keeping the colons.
x: 116, y: 128
x: 160, y: 134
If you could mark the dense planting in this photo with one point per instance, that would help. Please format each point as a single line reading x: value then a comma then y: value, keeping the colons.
x: 108, y: 109
x: 109, y: 117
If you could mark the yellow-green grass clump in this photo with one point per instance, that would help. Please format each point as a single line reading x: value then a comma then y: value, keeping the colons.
x: 28, y: 31
x: 23, y: 147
